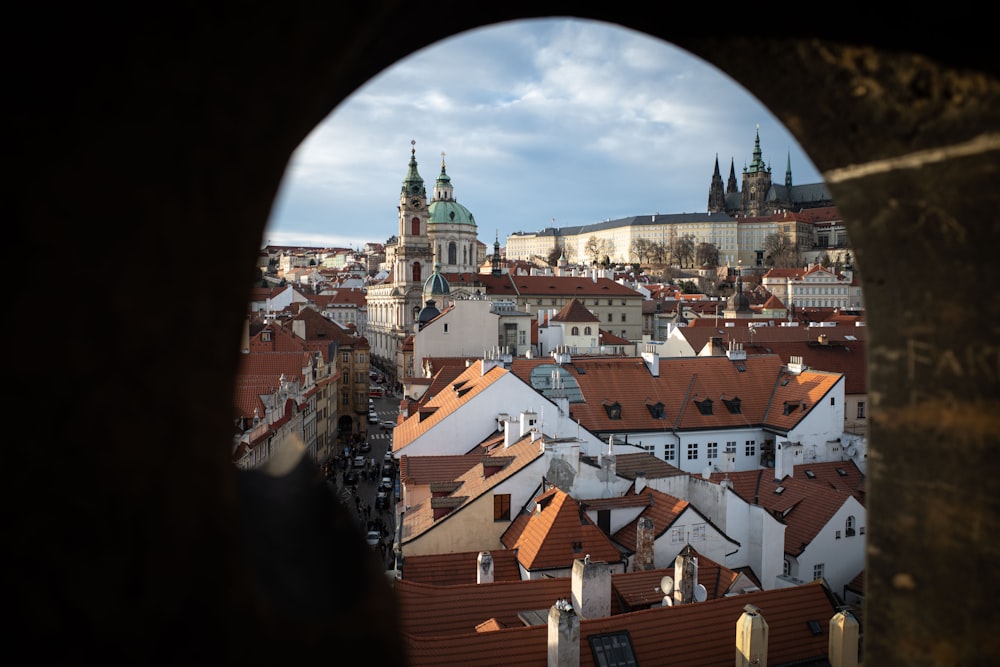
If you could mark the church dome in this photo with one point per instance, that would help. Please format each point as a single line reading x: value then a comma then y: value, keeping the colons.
x: 443, y: 208
x: 449, y: 212
x: 436, y: 284
x: 427, y: 313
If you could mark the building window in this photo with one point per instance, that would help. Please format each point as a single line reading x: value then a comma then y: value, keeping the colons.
x: 668, y: 451
x: 586, y: 331
x: 692, y: 451
x: 751, y: 448
x: 345, y: 357
x: 446, y: 327
x: 861, y: 409
x: 611, y: 318
x: 609, y: 302
x: 730, y: 447
x: 623, y: 317
x: 833, y: 400
x: 575, y: 331
x: 712, y: 450
x: 677, y: 535
x: 501, y: 507
x: 850, y: 526
x: 614, y: 410
x: 818, y: 571
x: 705, y: 406
x: 698, y: 532
x: 521, y: 336
x: 786, y: 569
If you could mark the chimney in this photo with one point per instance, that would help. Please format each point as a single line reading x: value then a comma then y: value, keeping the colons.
x: 591, y: 588
x: 510, y: 435
x: 751, y: 638
x: 645, y: 543
x: 484, y: 575
x: 652, y: 358
x: 786, y: 455
x: 685, y: 576
x: 843, y: 647
x: 795, y: 365
x: 528, y: 419
x: 564, y: 636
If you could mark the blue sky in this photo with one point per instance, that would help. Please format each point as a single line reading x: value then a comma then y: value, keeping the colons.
x: 550, y: 122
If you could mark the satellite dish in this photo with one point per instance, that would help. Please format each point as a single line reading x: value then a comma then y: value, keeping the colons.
x: 706, y: 472
x: 851, y: 451
x: 700, y: 593
x: 667, y: 584
x: 667, y: 601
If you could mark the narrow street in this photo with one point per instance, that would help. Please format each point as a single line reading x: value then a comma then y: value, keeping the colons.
x: 357, y: 486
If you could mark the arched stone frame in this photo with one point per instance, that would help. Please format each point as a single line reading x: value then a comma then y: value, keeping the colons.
x: 879, y: 121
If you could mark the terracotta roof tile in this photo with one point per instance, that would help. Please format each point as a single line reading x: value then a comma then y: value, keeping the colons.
x: 557, y: 532
x: 692, y: 635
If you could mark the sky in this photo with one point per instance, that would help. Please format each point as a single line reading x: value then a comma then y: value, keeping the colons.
x: 543, y: 123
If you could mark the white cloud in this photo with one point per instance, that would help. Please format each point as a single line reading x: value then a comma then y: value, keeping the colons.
x: 567, y: 119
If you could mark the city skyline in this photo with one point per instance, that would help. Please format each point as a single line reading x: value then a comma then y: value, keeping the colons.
x: 541, y: 123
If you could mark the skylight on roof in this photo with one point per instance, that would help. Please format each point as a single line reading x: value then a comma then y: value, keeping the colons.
x: 810, y: 474
x: 613, y: 649
x: 779, y: 490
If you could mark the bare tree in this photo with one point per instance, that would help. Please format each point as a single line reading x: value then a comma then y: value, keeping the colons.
x: 553, y: 257
x: 596, y: 248
x: 641, y: 249
x: 707, y: 254
x: 682, y: 250
x: 780, y: 252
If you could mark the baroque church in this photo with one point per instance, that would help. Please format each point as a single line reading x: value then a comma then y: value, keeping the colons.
x: 435, y: 236
x: 759, y: 196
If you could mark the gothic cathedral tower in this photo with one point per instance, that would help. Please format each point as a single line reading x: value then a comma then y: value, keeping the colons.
x: 756, y: 182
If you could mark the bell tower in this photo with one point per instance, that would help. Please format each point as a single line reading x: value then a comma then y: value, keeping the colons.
x: 412, y: 262
x: 756, y: 182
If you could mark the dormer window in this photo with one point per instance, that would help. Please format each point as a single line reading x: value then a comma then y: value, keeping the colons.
x: 656, y: 410
x: 733, y: 405
x: 705, y: 406
x: 614, y: 410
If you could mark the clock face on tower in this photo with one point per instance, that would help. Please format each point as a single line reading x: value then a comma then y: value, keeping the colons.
x: 415, y: 202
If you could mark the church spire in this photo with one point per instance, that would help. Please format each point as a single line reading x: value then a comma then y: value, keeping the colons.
x: 716, y: 194
x: 413, y: 184
x: 496, y: 254
x: 788, y: 172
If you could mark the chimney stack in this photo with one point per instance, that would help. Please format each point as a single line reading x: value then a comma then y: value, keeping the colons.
x: 645, y: 541
x: 484, y: 575
x: 751, y: 638
x: 564, y: 636
x: 591, y: 588
x: 843, y: 647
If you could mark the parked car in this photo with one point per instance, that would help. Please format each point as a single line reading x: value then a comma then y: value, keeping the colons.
x: 350, y: 477
x: 382, y: 500
x: 388, y: 424
x: 373, y: 538
x: 359, y: 461
x: 372, y: 418
x: 365, y: 446
x: 385, y: 484
x: 387, y: 469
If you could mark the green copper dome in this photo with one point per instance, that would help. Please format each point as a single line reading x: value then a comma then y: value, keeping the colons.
x: 436, y: 284
x: 443, y: 208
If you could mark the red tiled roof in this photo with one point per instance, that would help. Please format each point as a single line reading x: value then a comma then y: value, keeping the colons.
x: 452, y: 569
x: 556, y: 533
x: 806, y: 504
x: 574, y: 311
x: 692, y: 635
